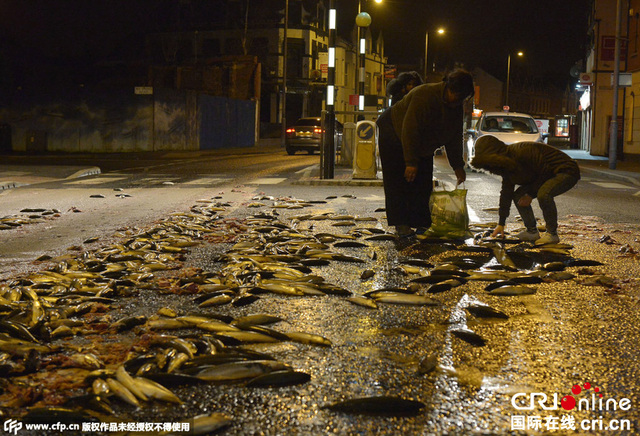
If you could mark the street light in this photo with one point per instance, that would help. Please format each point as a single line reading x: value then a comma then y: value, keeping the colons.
x: 440, y: 31
x: 363, y: 19
x: 506, y: 98
x: 283, y: 101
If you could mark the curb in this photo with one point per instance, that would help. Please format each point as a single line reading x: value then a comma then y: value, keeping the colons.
x: 92, y: 171
x: 11, y: 185
x: 338, y: 182
x: 610, y: 173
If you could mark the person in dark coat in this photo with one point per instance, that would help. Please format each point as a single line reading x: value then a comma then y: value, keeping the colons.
x: 400, y: 86
x: 410, y: 131
x: 540, y: 171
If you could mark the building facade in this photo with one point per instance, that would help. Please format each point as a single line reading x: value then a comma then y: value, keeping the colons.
x: 596, y: 85
x: 258, y: 29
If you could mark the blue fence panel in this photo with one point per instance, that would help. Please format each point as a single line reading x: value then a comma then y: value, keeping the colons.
x: 226, y: 123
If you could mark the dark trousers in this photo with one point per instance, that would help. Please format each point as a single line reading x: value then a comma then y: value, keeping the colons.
x: 553, y: 187
x: 406, y: 203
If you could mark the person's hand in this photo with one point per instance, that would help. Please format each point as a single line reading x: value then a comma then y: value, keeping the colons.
x: 525, y: 200
x: 460, y: 175
x: 498, y: 231
x: 410, y: 173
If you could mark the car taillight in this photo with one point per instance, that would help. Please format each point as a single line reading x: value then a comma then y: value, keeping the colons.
x: 317, y: 130
x: 290, y: 130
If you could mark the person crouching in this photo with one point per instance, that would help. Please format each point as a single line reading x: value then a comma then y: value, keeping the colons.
x: 539, y: 170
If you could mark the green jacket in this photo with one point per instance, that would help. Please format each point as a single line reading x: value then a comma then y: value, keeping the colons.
x: 424, y: 122
x: 527, y: 164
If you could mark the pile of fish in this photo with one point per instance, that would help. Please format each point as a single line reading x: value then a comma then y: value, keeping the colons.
x: 27, y: 216
x: 135, y: 359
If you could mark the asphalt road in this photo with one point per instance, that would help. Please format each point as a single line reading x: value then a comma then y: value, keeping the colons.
x: 571, y: 331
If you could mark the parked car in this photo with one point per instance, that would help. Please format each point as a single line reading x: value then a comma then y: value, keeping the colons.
x: 508, y: 127
x: 306, y: 135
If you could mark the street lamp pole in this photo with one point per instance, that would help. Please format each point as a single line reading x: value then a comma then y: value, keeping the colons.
x: 440, y: 31
x: 506, y: 97
x: 328, y: 156
x: 426, y: 47
x: 283, y: 114
x: 363, y: 20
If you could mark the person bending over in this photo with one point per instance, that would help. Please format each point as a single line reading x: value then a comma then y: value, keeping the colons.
x: 410, y: 131
x: 539, y: 170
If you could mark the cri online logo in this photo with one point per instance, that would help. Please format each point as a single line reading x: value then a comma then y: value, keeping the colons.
x: 568, y: 402
x: 529, y: 401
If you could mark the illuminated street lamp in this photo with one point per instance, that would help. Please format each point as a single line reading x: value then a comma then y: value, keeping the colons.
x: 440, y: 31
x: 363, y: 20
x: 506, y: 98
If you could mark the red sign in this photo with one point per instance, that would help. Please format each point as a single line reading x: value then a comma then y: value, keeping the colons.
x: 608, y: 48
x: 354, y: 99
x: 586, y: 79
x: 505, y: 108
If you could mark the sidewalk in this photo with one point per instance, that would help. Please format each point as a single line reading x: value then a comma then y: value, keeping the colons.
x: 19, y: 170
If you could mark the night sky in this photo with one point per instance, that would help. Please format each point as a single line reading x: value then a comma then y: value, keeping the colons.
x: 45, y: 33
x: 482, y: 33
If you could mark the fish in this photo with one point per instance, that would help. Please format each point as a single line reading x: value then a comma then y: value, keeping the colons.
x: 177, y: 361
x: 470, y: 337
x: 381, y: 405
x: 559, y: 276
x: 122, y: 392
x: 363, y: 301
x: 257, y: 319
x: 484, y: 311
x: 553, y: 250
x: 155, y: 390
x: 498, y: 284
x: 382, y: 237
x: 531, y: 278
x: 428, y: 364
x: 554, y: 266
x: 235, y: 371
x: 309, y: 338
x: 439, y: 287
x: 431, y: 278
x: 599, y: 280
x: 349, y: 244
x: 511, y: 290
x: 279, y: 378
x: 501, y: 256
x: 127, y: 381
x: 402, y: 298
x: 367, y: 274
x: 583, y: 262
x: 408, y: 269
x: 128, y: 323
x: 244, y: 336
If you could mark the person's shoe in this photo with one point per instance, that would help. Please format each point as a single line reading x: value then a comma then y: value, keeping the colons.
x: 547, y: 238
x: 420, y: 231
x: 404, y: 231
x: 527, y: 235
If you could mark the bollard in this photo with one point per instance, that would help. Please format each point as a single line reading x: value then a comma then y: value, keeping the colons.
x: 364, y: 161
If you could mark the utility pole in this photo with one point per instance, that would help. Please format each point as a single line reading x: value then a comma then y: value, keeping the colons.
x: 283, y: 115
x: 613, y: 134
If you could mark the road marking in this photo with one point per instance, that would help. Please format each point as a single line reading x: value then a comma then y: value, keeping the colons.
x: 97, y: 181
x: 267, y: 181
x: 307, y: 171
x: 473, y: 216
x: 612, y: 185
x: 206, y: 181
